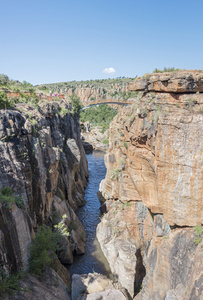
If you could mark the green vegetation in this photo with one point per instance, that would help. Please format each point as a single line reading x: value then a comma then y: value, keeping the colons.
x: 76, y: 104
x: 125, y: 145
x: 199, y: 234
x: 68, y: 288
x: 125, y: 205
x: 8, y: 198
x: 105, y: 84
x: 8, y: 284
x: 61, y: 227
x: 114, y: 173
x: 124, y: 95
x: 23, y: 88
x: 146, y: 76
x: 82, y: 235
x: 156, y: 114
x: 42, y: 250
x: 190, y: 103
x: 101, y: 115
x: 5, y: 102
x: 106, y: 142
x: 14, y: 85
x: 20, y: 202
x: 4, y: 79
x: 166, y: 70
x: 63, y: 111
x: 198, y: 230
x: 73, y: 225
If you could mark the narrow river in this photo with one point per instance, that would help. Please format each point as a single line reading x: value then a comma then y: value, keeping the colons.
x: 93, y: 260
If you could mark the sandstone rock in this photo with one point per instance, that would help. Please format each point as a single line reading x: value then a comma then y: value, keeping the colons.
x: 154, y: 170
x: 156, y: 159
x: 90, y: 92
x: 178, y: 82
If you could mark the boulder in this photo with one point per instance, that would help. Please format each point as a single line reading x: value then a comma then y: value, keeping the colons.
x: 110, y: 294
x: 90, y: 283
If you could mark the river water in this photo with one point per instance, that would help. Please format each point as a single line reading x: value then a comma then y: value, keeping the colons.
x: 93, y: 260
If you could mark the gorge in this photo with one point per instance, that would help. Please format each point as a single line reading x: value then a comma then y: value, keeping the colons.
x: 151, y: 196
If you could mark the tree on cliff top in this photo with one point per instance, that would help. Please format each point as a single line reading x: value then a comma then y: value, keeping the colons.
x: 5, y: 102
x: 4, y: 79
x: 76, y: 104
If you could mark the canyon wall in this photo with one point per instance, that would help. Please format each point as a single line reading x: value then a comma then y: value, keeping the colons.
x: 90, y: 93
x: 92, y: 90
x: 153, y: 190
x: 43, y: 162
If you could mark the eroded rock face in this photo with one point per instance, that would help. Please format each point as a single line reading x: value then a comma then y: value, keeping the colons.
x: 154, y: 173
x: 75, y: 241
x: 90, y: 92
x: 178, y: 82
x: 41, y: 157
x: 155, y: 156
x: 124, y: 234
x: 49, y: 287
x: 16, y: 234
x: 174, y: 268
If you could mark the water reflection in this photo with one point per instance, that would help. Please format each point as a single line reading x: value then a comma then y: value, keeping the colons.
x: 93, y: 260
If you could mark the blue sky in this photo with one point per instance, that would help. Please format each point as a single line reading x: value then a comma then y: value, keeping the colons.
x: 50, y: 41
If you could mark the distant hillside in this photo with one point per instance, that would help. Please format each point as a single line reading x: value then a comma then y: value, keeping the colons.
x: 91, y: 90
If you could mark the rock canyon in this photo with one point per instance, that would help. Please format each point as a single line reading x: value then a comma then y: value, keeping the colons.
x: 151, y: 197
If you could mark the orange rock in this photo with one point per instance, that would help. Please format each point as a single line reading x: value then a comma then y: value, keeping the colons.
x: 155, y: 156
x: 178, y: 82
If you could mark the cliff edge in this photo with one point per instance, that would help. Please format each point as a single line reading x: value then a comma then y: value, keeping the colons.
x: 151, y: 233
x: 44, y: 169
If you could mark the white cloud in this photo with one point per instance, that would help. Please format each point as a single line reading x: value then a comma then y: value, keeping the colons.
x: 109, y: 70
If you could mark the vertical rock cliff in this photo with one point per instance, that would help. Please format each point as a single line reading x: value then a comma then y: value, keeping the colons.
x: 151, y: 233
x: 43, y: 162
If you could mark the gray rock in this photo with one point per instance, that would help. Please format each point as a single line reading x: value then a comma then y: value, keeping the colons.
x: 41, y: 156
x: 110, y: 294
x: 50, y: 287
x: 90, y: 283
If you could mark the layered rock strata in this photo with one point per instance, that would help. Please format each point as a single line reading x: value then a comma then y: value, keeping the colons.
x: 152, y: 186
x: 93, y: 91
x: 43, y: 161
x: 188, y: 81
